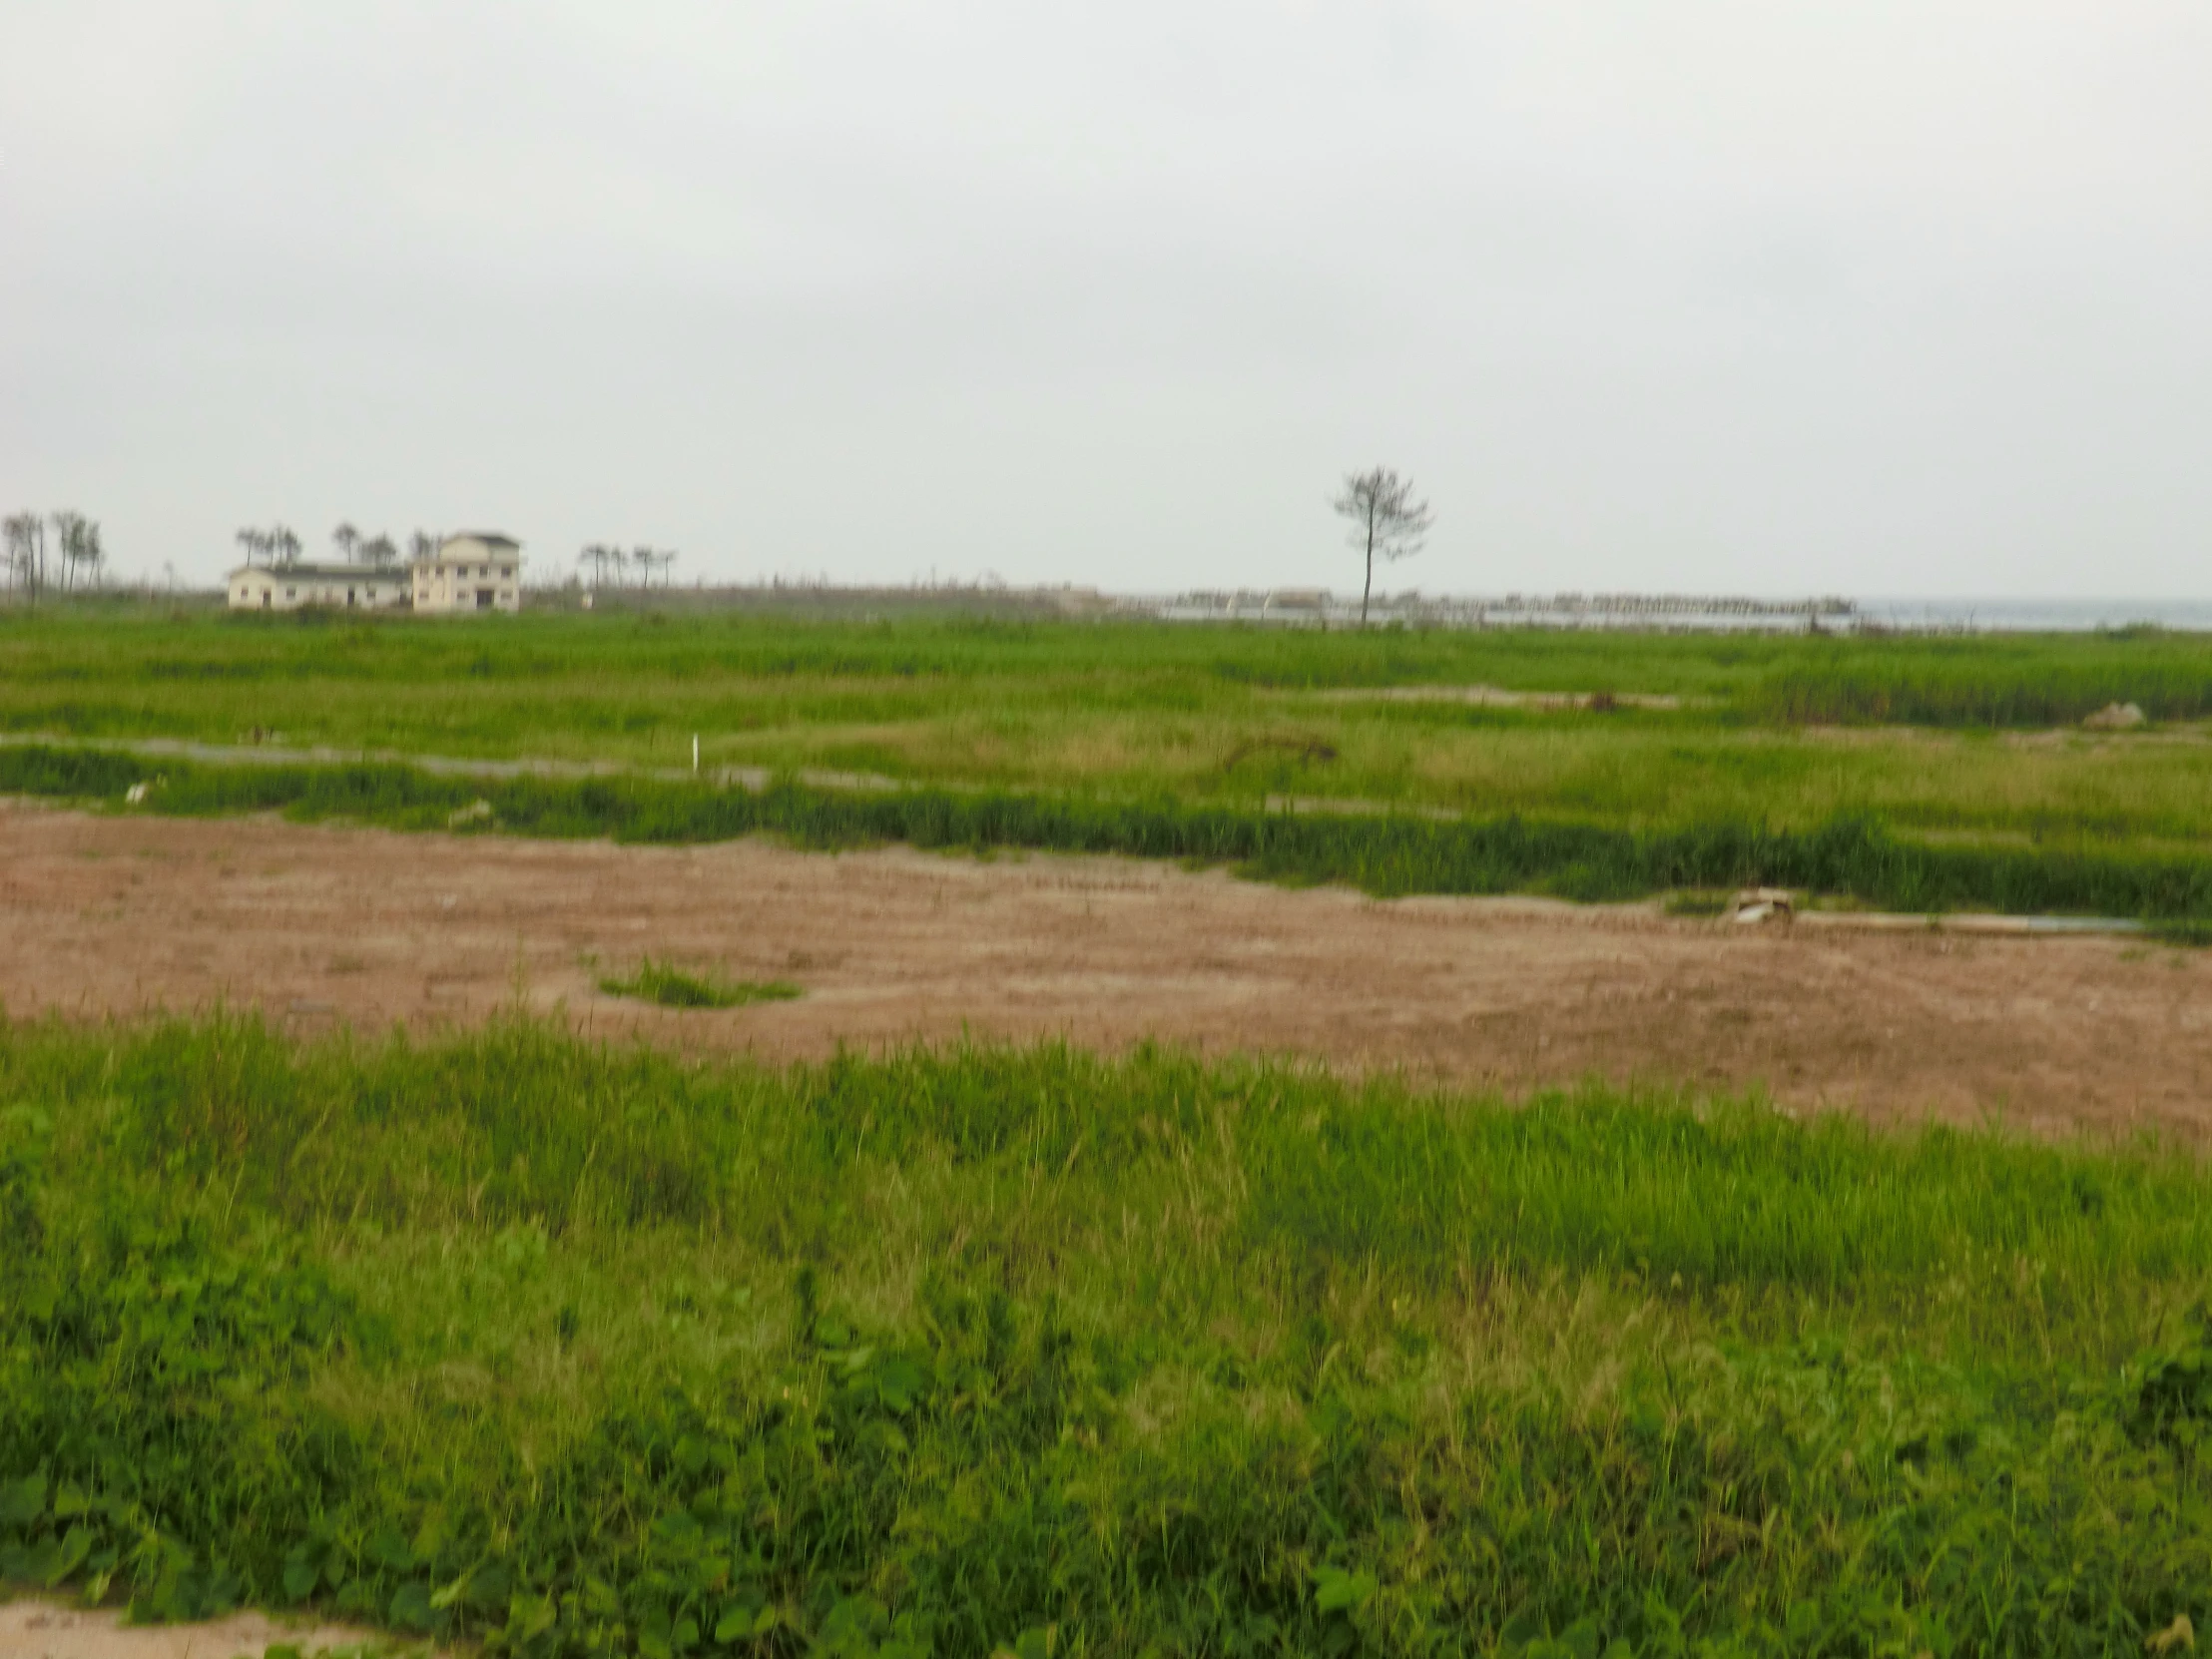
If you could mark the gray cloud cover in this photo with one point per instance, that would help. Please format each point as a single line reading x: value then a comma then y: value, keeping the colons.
x: 1706, y: 294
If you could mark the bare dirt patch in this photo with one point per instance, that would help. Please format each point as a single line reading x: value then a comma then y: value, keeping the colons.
x: 34, y: 1629
x: 319, y: 927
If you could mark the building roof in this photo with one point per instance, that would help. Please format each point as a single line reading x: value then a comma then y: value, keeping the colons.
x: 326, y: 573
x: 492, y: 540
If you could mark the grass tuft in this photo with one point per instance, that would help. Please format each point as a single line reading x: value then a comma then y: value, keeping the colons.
x: 672, y: 987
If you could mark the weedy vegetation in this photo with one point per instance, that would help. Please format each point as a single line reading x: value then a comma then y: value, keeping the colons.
x: 575, y: 1349
x: 672, y: 987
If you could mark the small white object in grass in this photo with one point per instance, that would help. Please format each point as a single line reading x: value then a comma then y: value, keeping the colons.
x: 135, y: 794
x: 1757, y: 904
x: 695, y: 752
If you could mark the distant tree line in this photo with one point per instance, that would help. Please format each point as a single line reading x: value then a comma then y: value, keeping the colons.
x: 72, y: 560
x: 278, y: 546
x: 379, y: 552
x: 607, y: 564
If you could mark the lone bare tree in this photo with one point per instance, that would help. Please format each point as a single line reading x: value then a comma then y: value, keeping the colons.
x: 1387, y: 522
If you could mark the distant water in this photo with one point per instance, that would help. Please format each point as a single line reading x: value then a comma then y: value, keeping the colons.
x: 2038, y: 616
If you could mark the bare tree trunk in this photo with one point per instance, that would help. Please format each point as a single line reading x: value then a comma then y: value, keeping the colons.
x: 1366, y: 591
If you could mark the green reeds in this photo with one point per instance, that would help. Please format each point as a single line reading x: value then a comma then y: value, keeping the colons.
x: 1381, y: 853
x: 573, y: 1350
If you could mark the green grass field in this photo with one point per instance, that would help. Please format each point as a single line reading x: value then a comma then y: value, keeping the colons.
x: 1971, y: 740
x: 579, y: 1350
x: 504, y: 1337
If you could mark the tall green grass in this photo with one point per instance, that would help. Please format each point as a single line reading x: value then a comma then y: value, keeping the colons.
x: 577, y: 1350
x: 1383, y: 854
x: 2025, y: 682
x: 1203, y: 714
x: 203, y: 672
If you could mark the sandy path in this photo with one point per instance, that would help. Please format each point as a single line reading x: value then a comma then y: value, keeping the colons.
x: 114, y: 914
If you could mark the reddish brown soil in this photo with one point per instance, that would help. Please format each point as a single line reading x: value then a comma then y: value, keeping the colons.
x: 111, y: 915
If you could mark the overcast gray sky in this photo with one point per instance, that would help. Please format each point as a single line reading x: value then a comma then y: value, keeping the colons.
x: 1869, y: 296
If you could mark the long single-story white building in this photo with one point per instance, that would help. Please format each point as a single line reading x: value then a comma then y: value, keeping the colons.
x: 288, y: 587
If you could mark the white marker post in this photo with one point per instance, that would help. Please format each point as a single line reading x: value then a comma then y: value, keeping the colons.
x: 695, y: 754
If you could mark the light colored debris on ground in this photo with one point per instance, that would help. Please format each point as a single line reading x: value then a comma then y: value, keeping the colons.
x: 1761, y: 904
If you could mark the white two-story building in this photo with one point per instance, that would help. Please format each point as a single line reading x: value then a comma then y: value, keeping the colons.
x: 478, y: 570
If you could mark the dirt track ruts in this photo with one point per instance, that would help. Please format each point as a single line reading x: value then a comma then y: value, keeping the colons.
x: 115, y: 915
